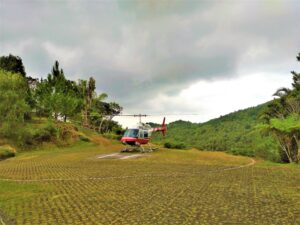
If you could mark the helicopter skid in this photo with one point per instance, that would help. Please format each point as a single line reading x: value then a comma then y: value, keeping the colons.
x: 140, y: 148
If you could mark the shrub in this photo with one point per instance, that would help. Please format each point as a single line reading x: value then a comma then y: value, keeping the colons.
x: 168, y: 145
x: 179, y: 146
x: 42, y: 135
x: 25, y: 137
x: 6, y: 152
x: 45, y: 134
x: 66, y: 131
x: 51, y: 129
x: 112, y: 136
x: 243, y: 152
x: 82, y: 137
x: 175, y: 145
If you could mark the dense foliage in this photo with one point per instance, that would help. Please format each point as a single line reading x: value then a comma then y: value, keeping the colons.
x: 56, y: 96
x: 54, y: 100
x: 12, y: 64
x: 282, y: 119
x: 13, y: 106
x: 235, y: 133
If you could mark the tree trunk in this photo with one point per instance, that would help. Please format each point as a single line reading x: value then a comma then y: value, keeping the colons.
x: 85, y: 122
x: 285, y: 147
x: 109, y: 119
x: 298, y: 147
x: 100, y: 126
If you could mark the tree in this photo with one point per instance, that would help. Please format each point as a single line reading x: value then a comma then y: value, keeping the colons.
x: 105, y: 112
x: 114, y: 109
x: 12, y: 64
x: 70, y: 105
x: 13, y: 106
x: 56, y: 96
x: 296, y: 77
x: 42, y: 97
x: 282, y: 118
x: 87, y: 89
x: 287, y: 132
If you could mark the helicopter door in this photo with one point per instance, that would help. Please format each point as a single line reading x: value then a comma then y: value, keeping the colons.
x: 146, y: 134
x: 141, y: 134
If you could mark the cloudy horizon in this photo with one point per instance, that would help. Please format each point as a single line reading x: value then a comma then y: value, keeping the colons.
x: 161, y: 57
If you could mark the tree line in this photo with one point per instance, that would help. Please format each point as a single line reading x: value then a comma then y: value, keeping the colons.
x: 56, y: 98
x: 60, y: 99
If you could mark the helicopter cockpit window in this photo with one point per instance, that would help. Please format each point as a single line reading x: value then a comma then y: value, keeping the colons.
x: 131, y: 133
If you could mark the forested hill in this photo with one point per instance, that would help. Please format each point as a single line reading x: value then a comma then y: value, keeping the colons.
x: 235, y: 132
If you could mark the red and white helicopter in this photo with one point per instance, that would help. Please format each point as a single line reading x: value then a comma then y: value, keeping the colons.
x: 135, y: 137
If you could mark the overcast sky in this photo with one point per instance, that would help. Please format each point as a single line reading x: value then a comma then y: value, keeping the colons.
x: 161, y: 57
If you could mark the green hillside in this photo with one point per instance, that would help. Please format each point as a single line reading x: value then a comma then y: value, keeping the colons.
x: 235, y: 133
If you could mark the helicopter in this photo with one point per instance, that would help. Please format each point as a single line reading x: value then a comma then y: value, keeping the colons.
x: 136, y: 137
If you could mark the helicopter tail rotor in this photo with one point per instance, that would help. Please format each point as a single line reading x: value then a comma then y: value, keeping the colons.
x: 163, y: 127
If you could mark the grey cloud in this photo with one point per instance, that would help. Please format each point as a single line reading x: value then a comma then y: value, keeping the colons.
x: 136, y: 49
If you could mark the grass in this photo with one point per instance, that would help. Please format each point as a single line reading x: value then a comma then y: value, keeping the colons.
x: 165, y: 187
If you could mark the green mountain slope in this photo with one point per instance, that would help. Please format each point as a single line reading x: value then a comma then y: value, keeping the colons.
x: 235, y: 133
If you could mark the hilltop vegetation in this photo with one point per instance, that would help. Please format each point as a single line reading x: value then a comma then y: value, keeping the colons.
x: 235, y: 133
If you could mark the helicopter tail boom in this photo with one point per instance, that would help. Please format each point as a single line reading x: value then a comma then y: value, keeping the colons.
x: 163, y: 128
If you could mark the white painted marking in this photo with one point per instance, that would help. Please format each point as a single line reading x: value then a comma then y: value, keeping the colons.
x: 1, y: 221
x: 109, y: 155
x: 130, y: 156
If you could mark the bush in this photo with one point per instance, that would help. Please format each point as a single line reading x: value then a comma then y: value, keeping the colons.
x: 179, y: 146
x: 6, y: 152
x: 51, y: 129
x: 65, y: 131
x: 29, y: 136
x: 56, y: 133
x: 112, y: 136
x: 175, y: 145
x: 267, y: 150
x: 42, y: 135
x: 82, y: 137
x: 243, y: 152
x: 25, y: 137
x: 45, y: 134
x: 168, y: 145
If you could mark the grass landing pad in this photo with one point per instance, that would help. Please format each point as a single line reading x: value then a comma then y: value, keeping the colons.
x: 202, y: 190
